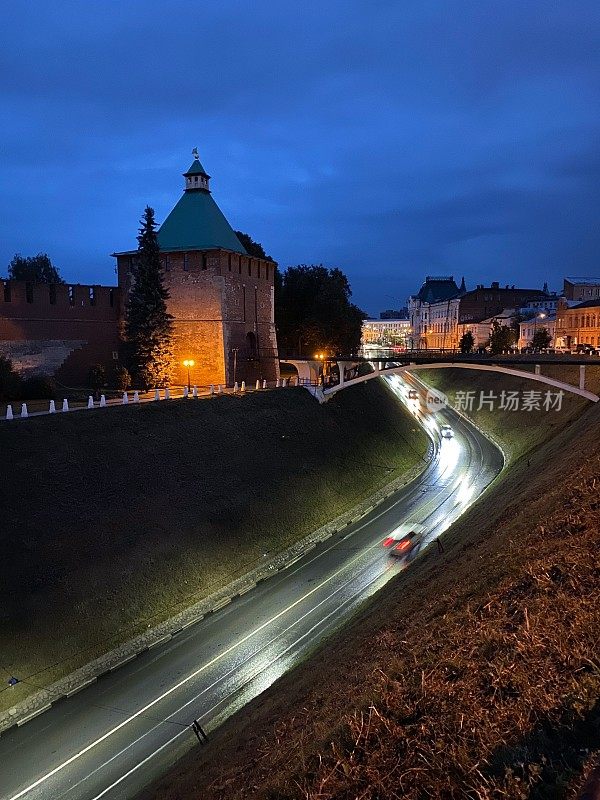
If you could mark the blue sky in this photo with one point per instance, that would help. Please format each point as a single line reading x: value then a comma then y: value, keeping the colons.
x: 391, y: 139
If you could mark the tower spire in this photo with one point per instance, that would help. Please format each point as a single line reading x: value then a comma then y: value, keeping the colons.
x: 196, y: 178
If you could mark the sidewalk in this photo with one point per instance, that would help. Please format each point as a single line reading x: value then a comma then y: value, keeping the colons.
x: 176, y: 393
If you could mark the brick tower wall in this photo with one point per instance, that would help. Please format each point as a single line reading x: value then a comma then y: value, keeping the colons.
x: 221, y: 301
x: 60, y: 329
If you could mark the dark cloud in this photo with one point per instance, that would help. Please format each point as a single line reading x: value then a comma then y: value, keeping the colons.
x: 392, y: 139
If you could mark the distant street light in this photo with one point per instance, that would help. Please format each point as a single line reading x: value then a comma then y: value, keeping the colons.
x: 535, y: 319
x: 189, y: 363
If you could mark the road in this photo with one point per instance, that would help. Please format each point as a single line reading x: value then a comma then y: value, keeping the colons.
x: 111, y: 739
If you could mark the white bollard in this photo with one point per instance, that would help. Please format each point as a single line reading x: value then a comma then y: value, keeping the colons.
x: 102, y: 401
x: 243, y: 386
x: 257, y: 384
x: 264, y: 384
x: 283, y: 382
x: 136, y: 396
x: 212, y: 389
x: 235, y: 387
x: 90, y: 401
x: 65, y: 405
x: 167, y: 393
x: 195, y: 392
x: 156, y: 394
x: 24, y: 412
x: 125, y: 398
x: 185, y: 391
x: 220, y: 389
x: 9, y: 412
x: 52, y: 409
x: 277, y: 384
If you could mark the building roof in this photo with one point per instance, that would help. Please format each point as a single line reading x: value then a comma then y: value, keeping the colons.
x: 197, y: 223
x: 583, y: 281
x: 196, y: 169
x: 436, y: 289
x: 587, y: 304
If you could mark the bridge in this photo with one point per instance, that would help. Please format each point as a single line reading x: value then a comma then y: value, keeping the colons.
x: 310, y: 371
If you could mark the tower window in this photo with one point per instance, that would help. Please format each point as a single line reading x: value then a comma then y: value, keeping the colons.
x: 7, y: 297
x: 52, y: 293
x: 240, y: 264
x: 249, y: 266
x: 204, y: 262
x: 29, y: 292
x: 186, y: 262
x: 267, y: 271
x: 111, y: 297
x: 71, y: 292
x: 92, y: 296
x: 167, y: 264
x: 229, y: 261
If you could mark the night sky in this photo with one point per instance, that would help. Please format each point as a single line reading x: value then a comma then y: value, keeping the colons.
x: 391, y: 139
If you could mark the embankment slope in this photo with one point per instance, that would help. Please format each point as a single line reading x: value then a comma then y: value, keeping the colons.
x: 113, y: 520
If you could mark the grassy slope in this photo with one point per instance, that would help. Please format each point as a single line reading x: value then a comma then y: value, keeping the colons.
x: 113, y: 520
x: 447, y: 693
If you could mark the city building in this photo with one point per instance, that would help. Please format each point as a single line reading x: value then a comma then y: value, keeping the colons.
x: 431, y: 312
x: 221, y: 299
x: 581, y: 288
x: 442, y: 312
x: 529, y: 327
x: 386, y: 332
x: 390, y: 313
x: 578, y: 324
x: 481, y: 330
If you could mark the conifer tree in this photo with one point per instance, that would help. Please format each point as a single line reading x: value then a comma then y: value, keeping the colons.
x: 148, y: 324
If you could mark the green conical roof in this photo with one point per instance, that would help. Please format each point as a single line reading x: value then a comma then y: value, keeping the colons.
x: 196, y: 168
x: 197, y: 223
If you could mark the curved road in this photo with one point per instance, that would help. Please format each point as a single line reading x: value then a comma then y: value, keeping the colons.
x: 111, y: 739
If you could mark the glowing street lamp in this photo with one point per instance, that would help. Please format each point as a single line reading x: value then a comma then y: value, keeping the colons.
x: 189, y: 363
x: 537, y: 316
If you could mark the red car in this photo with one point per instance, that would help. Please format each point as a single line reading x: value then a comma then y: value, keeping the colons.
x: 402, y: 544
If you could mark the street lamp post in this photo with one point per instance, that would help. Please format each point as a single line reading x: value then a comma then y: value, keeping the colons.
x: 189, y: 363
x: 535, y: 319
x: 234, y: 350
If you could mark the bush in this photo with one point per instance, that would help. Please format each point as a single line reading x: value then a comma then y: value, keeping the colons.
x: 10, y: 381
x: 120, y: 378
x: 38, y: 387
x: 97, y: 377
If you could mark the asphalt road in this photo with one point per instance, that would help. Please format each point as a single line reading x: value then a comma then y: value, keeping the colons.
x: 111, y: 739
